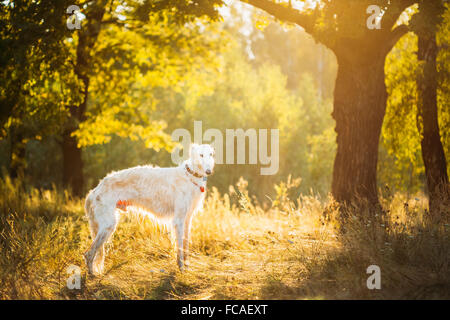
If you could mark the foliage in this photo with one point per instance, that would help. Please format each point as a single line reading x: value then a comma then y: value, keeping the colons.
x: 128, y: 63
x: 400, y: 136
x: 30, y: 44
x: 41, y: 78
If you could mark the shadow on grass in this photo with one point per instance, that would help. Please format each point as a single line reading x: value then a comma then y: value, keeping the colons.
x: 168, y: 287
x: 414, y: 265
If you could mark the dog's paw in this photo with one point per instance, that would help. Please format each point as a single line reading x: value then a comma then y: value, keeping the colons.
x: 181, y: 266
x: 92, y: 270
x: 187, y: 265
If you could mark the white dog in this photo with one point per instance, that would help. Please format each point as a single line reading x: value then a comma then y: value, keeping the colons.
x: 169, y: 195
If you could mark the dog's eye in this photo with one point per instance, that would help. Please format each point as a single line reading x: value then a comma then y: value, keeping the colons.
x: 201, y: 155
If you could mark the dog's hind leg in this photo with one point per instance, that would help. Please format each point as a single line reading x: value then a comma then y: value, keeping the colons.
x: 93, y: 224
x: 95, y: 256
x: 99, y: 258
x: 96, y: 251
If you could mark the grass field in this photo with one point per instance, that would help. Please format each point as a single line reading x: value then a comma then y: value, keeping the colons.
x: 239, y: 250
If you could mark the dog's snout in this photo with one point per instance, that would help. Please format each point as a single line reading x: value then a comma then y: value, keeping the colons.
x: 208, y: 171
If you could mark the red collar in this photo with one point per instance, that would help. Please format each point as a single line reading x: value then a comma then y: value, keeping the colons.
x: 195, y: 174
x: 202, y: 188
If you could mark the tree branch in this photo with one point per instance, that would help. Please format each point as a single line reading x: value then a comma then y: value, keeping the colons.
x: 395, y: 35
x: 286, y: 14
x: 394, y: 11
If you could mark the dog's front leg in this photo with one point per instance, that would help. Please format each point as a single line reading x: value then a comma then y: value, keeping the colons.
x: 187, y: 231
x: 178, y: 224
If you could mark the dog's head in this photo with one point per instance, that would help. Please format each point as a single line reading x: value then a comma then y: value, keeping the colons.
x: 202, y: 158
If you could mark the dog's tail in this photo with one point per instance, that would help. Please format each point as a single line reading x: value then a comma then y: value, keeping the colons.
x: 88, y: 204
x: 89, y: 211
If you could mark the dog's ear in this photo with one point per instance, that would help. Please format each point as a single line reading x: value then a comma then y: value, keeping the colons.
x: 192, y: 149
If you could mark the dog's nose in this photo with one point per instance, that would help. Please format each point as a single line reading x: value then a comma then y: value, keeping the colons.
x: 208, y: 172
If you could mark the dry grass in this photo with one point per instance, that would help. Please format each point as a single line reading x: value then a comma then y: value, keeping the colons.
x: 240, y: 250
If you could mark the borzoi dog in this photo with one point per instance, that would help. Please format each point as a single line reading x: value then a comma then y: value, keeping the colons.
x: 169, y: 195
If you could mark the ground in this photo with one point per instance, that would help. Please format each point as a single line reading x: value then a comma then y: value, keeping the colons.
x: 288, y: 250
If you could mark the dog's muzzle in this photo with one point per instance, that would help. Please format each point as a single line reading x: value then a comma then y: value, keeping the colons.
x: 208, y: 172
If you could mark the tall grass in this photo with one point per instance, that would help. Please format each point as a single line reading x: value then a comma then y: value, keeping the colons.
x: 240, y: 249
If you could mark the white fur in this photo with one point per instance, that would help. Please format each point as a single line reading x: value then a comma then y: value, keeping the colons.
x: 168, y: 195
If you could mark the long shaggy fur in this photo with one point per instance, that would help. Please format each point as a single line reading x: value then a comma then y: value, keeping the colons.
x: 167, y: 195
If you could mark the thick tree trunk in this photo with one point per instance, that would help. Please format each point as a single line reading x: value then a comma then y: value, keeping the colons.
x: 359, y: 107
x: 360, y: 94
x: 427, y: 122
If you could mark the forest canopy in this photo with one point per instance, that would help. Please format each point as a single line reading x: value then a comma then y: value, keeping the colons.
x: 117, y: 87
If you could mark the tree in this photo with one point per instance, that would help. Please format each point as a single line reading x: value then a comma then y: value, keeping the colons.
x: 40, y: 53
x: 103, y: 15
x: 403, y: 167
x: 72, y: 161
x: 433, y: 155
x: 360, y: 92
x: 400, y: 165
x: 31, y: 59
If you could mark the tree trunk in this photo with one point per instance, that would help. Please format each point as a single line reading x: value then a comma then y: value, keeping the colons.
x: 359, y: 107
x: 72, y: 157
x: 360, y: 92
x: 72, y: 164
x: 17, y: 153
x: 427, y: 122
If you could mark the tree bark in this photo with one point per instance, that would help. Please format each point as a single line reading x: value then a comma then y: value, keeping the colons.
x: 427, y: 120
x: 72, y: 164
x: 359, y: 107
